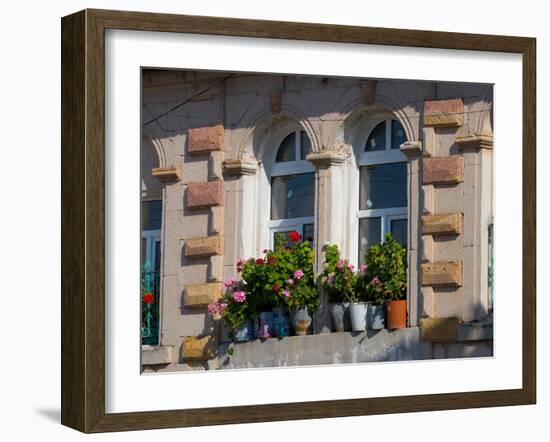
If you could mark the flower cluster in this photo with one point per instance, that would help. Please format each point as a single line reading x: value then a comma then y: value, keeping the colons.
x: 382, y: 277
x: 280, y: 278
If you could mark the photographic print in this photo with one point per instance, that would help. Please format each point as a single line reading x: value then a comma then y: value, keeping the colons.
x: 292, y: 220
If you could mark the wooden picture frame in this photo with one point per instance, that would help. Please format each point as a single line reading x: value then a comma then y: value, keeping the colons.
x: 83, y: 215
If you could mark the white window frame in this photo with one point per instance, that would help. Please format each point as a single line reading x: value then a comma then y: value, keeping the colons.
x: 296, y: 167
x: 386, y: 156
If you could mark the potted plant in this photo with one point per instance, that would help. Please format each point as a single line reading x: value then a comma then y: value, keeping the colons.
x: 366, y: 285
x: 256, y: 284
x: 234, y: 309
x: 292, y: 281
x: 337, y: 280
x: 386, y: 270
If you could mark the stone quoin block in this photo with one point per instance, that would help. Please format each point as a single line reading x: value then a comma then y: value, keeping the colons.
x: 442, y: 170
x: 198, y: 348
x: 442, y: 273
x: 202, y: 140
x: 205, y: 194
x: 443, y: 224
x: 439, y: 329
x: 203, y: 247
x: 200, y: 295
x: 441, y: 113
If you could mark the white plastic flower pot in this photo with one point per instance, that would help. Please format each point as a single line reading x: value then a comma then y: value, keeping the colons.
x: 358, y: 313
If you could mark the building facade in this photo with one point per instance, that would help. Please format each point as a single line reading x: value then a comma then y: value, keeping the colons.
x: 233, y: 162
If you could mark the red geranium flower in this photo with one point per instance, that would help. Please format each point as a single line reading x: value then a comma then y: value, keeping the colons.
x: 294, y: 236
x: 260, y: 261
x: 276, y: 287
x: 148, y: 298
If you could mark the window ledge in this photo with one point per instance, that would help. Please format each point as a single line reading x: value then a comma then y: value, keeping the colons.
x: 153, y: 355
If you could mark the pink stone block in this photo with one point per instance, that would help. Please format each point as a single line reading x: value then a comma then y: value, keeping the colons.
x: 444, y: 112
x: 442, y: 170
x: 205, y: 194
x: 202, y: 140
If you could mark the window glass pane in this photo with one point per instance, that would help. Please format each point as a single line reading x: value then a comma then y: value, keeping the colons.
x: 383, y: 186
x: 397, y: 134
x: 287, y: 149
x: 280, y: 239
x: 151, y: 215
x: 292, y: 196
x: 370, y: 233
x: 398, y: 229
x: 377, y: 138
x: 308, y: 233
x: 305, y: 145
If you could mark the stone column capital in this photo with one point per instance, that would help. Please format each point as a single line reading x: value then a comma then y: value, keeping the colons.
x: 475, y: 142
x: 411, y: 148
x: 240, y: 166
x: 326, y: 158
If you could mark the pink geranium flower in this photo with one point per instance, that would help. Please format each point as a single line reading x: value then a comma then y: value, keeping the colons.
x: 298, y: 274
x: 340, y: 264
x: 239, y: 296
x: 290, y: 281
x: 363, y: 268
x: 375, y: 281
x: 287, y: 293
x: 229, y: 282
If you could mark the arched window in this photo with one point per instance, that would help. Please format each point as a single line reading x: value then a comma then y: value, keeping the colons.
x: 382, y: 186
x: 292, y: 190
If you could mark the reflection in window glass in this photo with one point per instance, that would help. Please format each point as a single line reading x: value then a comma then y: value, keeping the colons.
x: 151, y: 215
x: 280, y: 239
x: 308, y: 234
x: 397, y: 134
x: 292, y: 196
x: 377, y: 138
x: 287, y: 149
x: 370, y: 233
x: 305, y: 145
x: 383, y: 186
x: 398, y: 229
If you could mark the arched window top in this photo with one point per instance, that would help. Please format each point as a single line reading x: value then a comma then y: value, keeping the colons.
x: 294, y: 147
x: 386, y: 135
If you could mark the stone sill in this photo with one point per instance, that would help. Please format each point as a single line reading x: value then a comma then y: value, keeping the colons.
x: 153, y: 355
x: 351, y: 347
x: 328, y: 348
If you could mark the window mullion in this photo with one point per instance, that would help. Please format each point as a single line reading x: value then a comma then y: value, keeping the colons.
x: 388, y: 135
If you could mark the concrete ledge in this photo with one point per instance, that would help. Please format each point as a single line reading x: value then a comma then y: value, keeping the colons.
x: 156, y: 355
x: 328, y: 348
x: 475, y: 332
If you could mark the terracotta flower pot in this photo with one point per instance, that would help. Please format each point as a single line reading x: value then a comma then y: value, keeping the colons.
x: 396, y: 314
